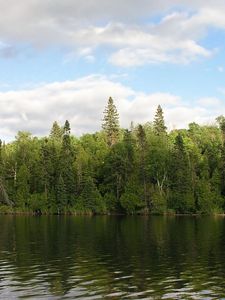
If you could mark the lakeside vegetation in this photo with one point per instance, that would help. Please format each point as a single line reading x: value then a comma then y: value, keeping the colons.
x: 143, y: 169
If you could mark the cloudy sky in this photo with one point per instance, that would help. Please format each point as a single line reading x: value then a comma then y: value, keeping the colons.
x: 63, y: 59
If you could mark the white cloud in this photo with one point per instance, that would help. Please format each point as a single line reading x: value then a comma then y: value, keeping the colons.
x: 124, y: 26
x: 82, y: 102
x: 180, y: 116
x: 210, y: 102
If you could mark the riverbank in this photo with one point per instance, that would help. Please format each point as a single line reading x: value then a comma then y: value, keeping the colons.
x: 6, y: 210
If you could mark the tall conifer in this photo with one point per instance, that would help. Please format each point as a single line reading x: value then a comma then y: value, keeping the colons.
x: 111, y: 123
x: 56, y: 132
x: 159, y: 123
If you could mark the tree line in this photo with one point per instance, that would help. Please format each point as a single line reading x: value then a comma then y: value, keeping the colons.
x: 144, y: 169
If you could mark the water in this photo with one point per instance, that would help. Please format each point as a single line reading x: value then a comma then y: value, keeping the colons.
x: 112, y: 257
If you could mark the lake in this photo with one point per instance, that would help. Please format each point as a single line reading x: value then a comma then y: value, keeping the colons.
x: 112, y: 257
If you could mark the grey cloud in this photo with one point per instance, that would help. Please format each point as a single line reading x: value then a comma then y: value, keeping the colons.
x: 117, y: 24
x: 8, y: 52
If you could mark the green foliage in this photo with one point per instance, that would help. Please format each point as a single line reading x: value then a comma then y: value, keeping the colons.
x: 61, y: 195
x: 4, y: 199
x: 142, y: 163
x: 110, y: 202
x: 116, y: 170
x: 66, y: 164
x: 159, y: 202
x: 56, y: 132
x: 180, y: 180
x: 110, y: 123
x: 37, y: 203
x: 22, y: 188
x: 6, y: 209
x: 204, y: 197
x: 130, y: 202
x: 159, y: 123
x: 90, y: 198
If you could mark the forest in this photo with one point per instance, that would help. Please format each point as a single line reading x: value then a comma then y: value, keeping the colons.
x: 141, y: 170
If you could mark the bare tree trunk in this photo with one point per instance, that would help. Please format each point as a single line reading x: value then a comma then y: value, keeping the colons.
x: 15, y: 174
x: 161, y: 183
x: 118, y: 187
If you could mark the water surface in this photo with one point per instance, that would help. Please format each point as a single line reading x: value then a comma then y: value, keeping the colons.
x: 112, y: 257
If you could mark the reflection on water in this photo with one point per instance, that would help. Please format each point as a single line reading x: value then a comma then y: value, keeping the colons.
x: 112, y: 257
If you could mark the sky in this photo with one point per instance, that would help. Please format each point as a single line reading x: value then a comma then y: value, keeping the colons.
x: 62, y: 60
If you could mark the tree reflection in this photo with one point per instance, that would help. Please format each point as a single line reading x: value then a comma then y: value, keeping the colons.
x: 106, y: 255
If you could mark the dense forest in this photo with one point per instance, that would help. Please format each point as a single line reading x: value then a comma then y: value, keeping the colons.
x: 143, y: 169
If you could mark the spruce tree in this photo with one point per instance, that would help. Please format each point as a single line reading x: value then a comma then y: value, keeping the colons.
x: 159, y: 123
x: 90, y: 198
x: 56, y: 132
x: 66, y: 164
x: 61, y: 196
x: 66, y: 128
x: 111, y: 123
x: 142, y: 147
x: 180, y: 181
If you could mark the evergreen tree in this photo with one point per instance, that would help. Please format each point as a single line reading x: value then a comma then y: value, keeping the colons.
x: 215, y: 183
x: 180, y: 180
x: 132, y: 198
x: 142, y: 147
x: 61, y: 196
x: 66, y: 128
x: 157, y: 170
x: 129, y: 153
x: 81, y: 168
x: 111, y: 123
x: 56, y: 132
x: 90, y: 198
x: 146, y: 171
x: 49, y: 169
x: 66, y: 164
x: 114, y: 171
x: 22, y: 192
x: 159, y: 123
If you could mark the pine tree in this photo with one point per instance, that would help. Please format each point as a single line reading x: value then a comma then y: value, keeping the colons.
x: 90, y: 197
x: 48, y: 168
x: 159, y: 123
x: 180, y: 180
x: 128, y: 142
x: 66, y: 128
x: 66, y: 164
x: 111, y: 123
x: 56, y: 132
x: 142, y: 145
x: 60, y: 195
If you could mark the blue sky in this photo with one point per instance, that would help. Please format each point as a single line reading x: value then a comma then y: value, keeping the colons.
x: 62, y: 60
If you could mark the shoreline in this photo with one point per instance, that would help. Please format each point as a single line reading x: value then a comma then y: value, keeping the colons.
x: 89, y: 214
